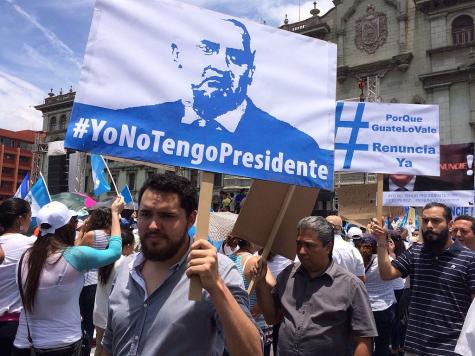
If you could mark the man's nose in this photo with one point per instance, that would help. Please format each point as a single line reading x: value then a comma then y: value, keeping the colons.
x: 218, y: 60
x: 154, y: 224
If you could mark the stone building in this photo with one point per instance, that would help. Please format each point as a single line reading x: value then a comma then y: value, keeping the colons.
x: 420, y: 51
x: 403, y: 51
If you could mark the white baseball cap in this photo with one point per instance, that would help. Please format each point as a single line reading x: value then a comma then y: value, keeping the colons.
x: 56, y: 215
x: 354, y: 232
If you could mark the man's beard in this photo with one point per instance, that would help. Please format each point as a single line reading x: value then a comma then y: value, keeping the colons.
x: 154, y: 252
x: 211, y: 104
x: 434, y: 242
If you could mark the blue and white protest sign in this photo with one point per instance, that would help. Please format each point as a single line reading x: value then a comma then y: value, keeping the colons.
x: 98, y: 166
x: 171, y: 83
x: 387, y: 138
x: 38, y: 196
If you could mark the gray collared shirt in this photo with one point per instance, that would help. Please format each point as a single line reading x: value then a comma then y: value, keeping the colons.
x: 321, y: 314
x: 166, y: 322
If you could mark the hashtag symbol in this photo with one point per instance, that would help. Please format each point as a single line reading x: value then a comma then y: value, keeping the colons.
x: 355, y: 124
x: 80, y: 128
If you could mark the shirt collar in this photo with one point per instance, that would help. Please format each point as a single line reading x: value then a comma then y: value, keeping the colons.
x: 229, y: 120
x: 330, y: 271
x: 409, y: 186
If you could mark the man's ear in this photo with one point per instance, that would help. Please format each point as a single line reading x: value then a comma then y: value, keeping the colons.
x: 175, y: 54
x: 252, y: 68
x: 191, y: 219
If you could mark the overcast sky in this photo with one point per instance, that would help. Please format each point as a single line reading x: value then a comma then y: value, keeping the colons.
x: 43, y: 44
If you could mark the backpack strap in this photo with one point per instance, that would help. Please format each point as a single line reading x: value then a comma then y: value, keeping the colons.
x: 20, y: 286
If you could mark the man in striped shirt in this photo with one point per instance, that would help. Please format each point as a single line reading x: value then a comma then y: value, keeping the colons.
x: 442, y: 280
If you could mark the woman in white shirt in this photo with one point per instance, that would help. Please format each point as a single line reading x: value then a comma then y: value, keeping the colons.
x: 15, y: 218
x: 381, y: 296
x: 106, y: 280
x: 52, y: 276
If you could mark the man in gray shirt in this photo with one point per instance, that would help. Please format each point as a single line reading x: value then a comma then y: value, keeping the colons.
x: 323, y: 308
x: 149, y: 309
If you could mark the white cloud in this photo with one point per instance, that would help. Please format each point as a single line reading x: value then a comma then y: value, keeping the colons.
x: 17, y: 98
x: 50, y: 36
x: 271, y: 11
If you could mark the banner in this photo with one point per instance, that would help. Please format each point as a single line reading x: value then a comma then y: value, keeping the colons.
x: 387, y: 138
x: 171, y: 83
x: 454, y: 187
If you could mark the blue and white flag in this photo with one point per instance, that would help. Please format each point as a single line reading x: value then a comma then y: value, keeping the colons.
x: 127, y: 195
x: 22, y: 190
x: 224, y: 94
x: 38, y: 196
x: 99, y: 175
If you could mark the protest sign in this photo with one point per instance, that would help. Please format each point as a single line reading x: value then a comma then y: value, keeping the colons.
x: 462, y: 210
x: 194, y: 88
x: 387, y: 138
x: 358, y: 203
x: 266, y: 215
x: 454, y: 187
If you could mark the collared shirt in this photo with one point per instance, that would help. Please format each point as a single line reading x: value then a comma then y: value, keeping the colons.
x: 167, y: 322
x: 408, y: 187
x: 321, y: 314
x: 441, y: 295
x: 347, y: 256
x: 229, y: 120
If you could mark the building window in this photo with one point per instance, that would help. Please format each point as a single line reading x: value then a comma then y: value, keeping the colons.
x: 131, y: 181
x: 462, y: 30
x: 52, y: 124
x: 115, y: 177
x: 62, y: 122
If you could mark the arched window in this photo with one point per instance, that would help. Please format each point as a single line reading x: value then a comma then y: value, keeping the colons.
x: 462, y: 30
x: 52, y: 124
x: 62, y: 122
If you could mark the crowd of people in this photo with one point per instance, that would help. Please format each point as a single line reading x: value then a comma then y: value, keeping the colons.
x: 363, y: 291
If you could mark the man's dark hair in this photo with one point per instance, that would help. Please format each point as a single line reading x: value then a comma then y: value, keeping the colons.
x: 321, y: 226
x: 467, y: 218
x: 447, y: 211
x: 171, y: 183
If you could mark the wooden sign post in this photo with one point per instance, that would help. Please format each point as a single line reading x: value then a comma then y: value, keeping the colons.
x: 202, y: 226
x: 379, y: 198
x: 275, y: 229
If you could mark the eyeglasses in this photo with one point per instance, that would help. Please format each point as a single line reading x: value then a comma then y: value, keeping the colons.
x: 462, y: 231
